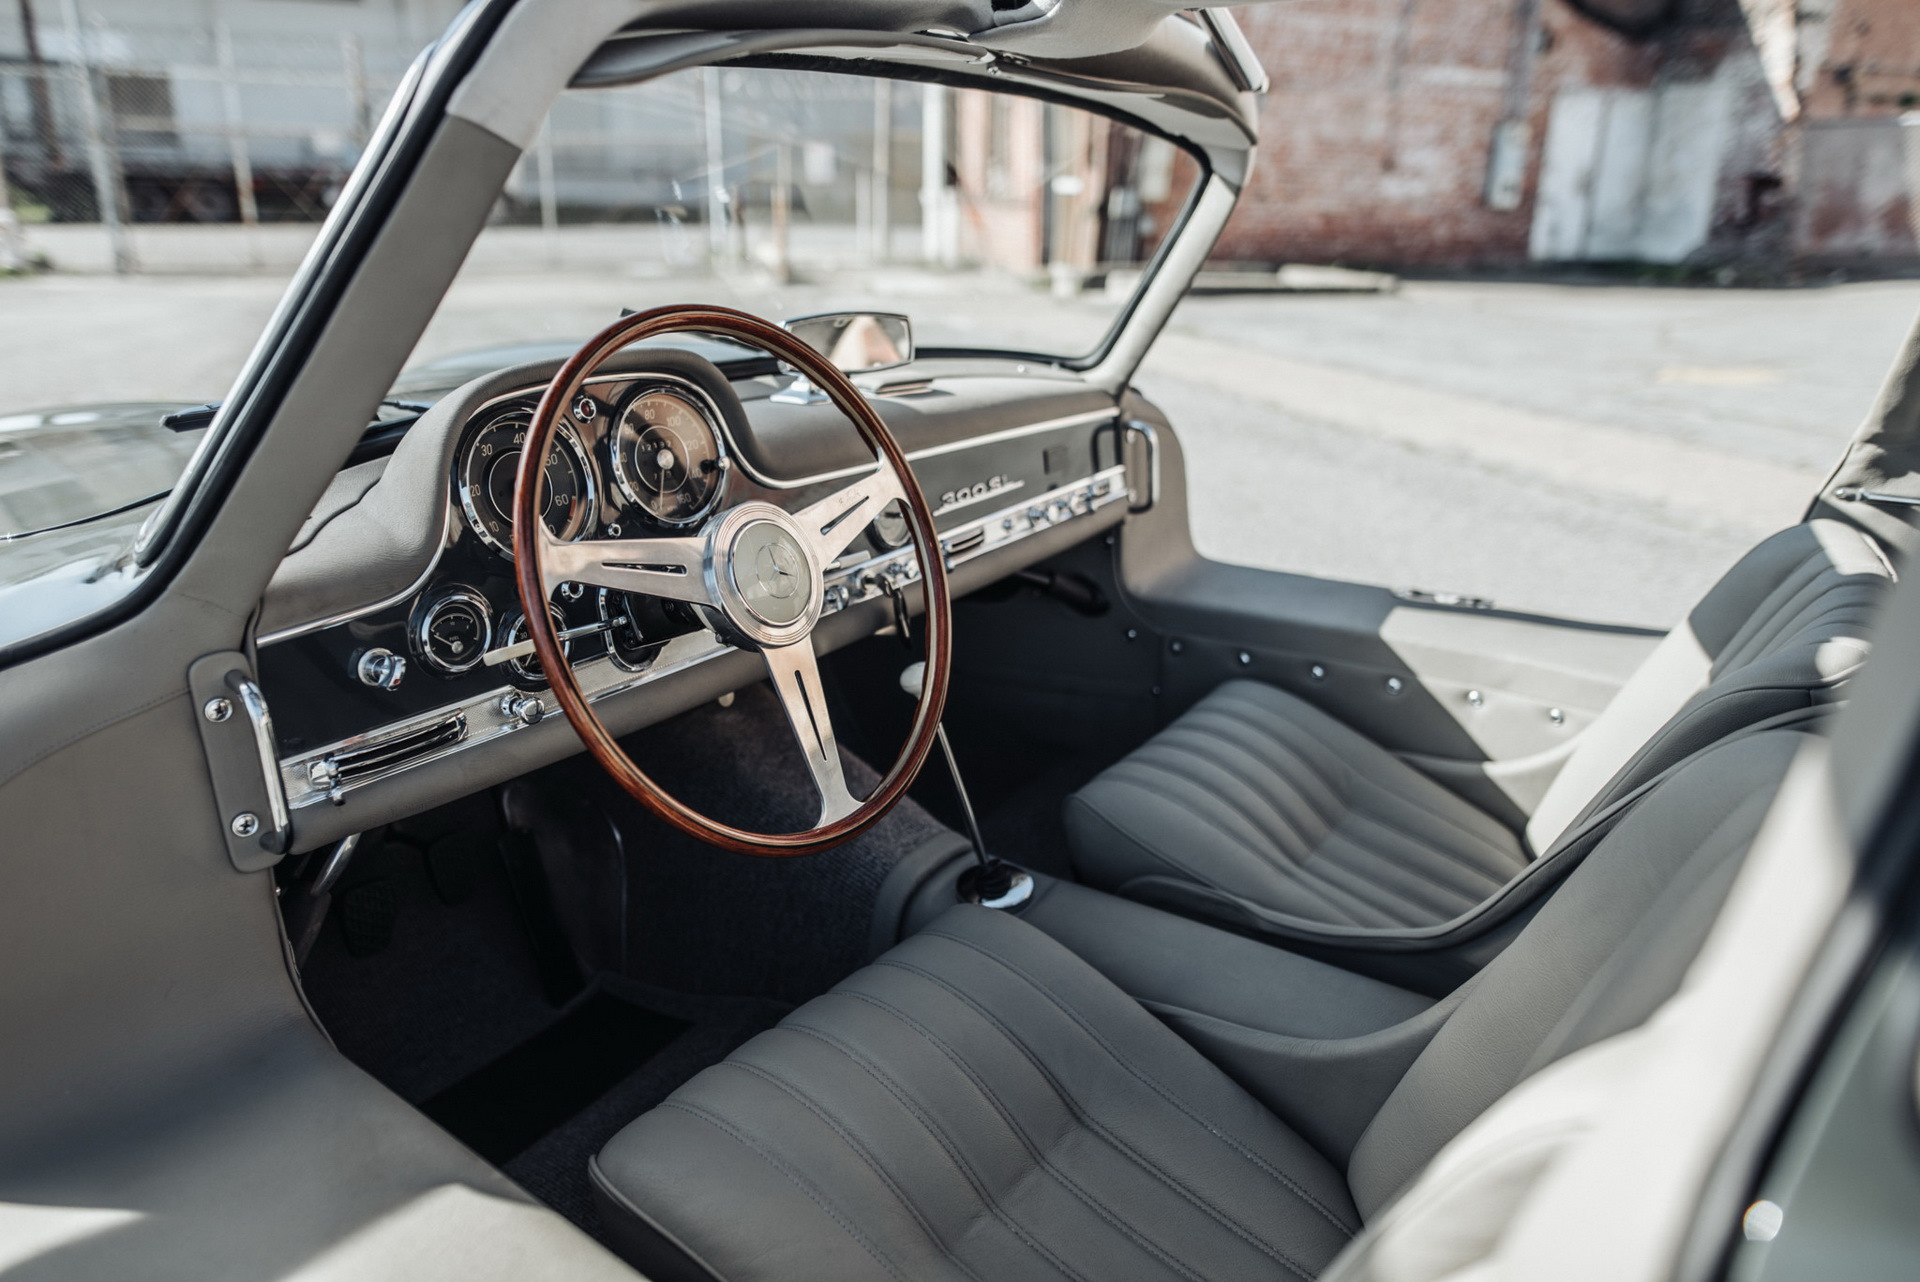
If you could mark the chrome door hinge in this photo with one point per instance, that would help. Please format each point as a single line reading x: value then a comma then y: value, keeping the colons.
x: 243, y: 759
x: 1855, y: 494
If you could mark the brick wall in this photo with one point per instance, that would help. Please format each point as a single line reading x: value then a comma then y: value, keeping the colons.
x: 1376, y: 135
x: 1868, y: 60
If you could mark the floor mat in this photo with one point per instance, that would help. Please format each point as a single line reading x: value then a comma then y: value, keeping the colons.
x: 554, y: 1168
x: 502, y: 1109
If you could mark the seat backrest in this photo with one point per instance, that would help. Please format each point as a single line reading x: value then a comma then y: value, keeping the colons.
x: 1603, y: 953
x: 1781, y: 631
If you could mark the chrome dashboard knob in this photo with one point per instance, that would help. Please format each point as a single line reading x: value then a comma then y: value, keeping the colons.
x: 525, y: 709
x: 382, y: 669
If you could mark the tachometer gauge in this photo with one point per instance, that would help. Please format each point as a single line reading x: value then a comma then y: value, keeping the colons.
x: 450, y: 632
x: 488, y: 463
x: 526, y: 671
x: 666, y: 457
x: 626, y: 639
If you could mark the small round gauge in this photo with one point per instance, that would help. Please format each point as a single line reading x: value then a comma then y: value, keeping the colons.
x: 450, y: 632
x: 626, y: 643
x: 890, y: 528
x: 666, y: 456
x: 488, y: 463
x: 526, y: 671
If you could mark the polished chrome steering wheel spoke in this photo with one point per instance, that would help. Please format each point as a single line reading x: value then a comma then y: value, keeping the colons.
x: 674, y: 568
x: 835, y: 521
x: 796, y: 679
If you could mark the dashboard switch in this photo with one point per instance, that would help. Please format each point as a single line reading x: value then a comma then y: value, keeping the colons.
x: 523, y: 708
x: 381, y: 669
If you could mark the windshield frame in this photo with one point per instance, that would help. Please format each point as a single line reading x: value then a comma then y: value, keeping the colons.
x: 470, y: 50
x: 910, y: 73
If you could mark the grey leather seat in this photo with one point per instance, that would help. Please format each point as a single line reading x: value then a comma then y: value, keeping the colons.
x: 1256, y: 806
x: 980, y: 1103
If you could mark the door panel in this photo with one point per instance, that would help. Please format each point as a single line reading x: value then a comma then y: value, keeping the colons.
x: 1450, y: 688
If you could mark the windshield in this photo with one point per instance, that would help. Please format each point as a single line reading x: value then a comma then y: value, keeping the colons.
x: 995, y: 221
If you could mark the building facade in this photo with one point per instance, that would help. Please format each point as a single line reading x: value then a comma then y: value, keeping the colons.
x: 1478, y: 133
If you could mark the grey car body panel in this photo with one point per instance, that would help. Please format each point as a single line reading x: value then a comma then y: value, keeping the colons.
x: 160, y: 1059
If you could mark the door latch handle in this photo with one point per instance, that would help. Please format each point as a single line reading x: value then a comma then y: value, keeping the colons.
x: 243, y: 759
x: 274, y: 836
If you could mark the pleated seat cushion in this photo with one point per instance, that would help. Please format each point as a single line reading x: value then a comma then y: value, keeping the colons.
x: 1275, y: 809
x: 1260, y: 795
x: 978, y: 1104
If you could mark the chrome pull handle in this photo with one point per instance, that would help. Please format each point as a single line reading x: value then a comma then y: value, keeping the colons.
x: 236, y: 732
x: 1146, y: 431
x: 275, y: 834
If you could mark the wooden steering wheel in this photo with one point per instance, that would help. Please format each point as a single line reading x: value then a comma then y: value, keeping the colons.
x: 757, y: 570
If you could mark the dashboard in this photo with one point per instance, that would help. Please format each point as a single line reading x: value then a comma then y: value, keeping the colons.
x: 403, y: 684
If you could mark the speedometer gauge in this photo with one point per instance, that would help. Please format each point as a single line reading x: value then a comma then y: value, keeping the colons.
x: 488, y: 463
x: 666, y: 457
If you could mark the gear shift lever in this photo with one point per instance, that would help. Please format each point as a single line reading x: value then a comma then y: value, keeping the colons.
x: 991, y: 883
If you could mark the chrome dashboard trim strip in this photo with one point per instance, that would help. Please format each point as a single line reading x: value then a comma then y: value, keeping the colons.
x: 487, y: 719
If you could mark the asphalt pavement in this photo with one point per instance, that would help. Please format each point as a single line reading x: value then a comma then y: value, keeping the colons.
x: 1597, y: 451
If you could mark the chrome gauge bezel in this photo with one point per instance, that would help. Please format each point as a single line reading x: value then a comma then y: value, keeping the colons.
x: 565, y: 437
x: 892, y: 512
x: 616, y: 651
x: 702, y: 404
x: 420, y: 630
x: 525, y: 671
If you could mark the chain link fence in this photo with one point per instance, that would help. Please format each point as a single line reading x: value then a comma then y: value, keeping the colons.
x: 125, y: 129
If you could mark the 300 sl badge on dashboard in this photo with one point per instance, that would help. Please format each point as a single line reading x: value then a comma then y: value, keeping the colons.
x: 961, y: 496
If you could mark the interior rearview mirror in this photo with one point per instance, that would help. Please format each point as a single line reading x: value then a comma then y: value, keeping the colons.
x: 857, y: 342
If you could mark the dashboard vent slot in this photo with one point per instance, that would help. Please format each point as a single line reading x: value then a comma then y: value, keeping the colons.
x: 961, y: 544
x: 377, y: 757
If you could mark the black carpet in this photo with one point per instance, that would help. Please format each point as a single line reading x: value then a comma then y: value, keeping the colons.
x: 435, y: 982
x: 442, y: 982
x: 501, y: 1109
x: 706, y: 921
